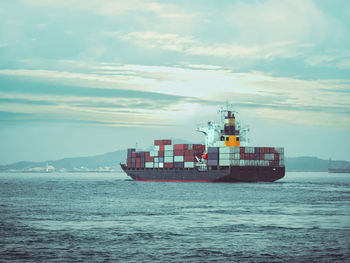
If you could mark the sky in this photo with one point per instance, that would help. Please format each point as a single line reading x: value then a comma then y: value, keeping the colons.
x: 79, y: 78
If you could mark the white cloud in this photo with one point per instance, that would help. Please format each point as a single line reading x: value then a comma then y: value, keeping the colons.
x: 290, y: 99
x: 189, y: 45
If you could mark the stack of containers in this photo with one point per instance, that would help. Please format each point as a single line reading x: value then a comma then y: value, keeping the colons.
x: 166, y: 155
x: 246, y: 156
x: 213, y: 156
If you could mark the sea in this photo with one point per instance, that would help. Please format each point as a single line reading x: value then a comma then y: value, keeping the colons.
x: 106, y: 217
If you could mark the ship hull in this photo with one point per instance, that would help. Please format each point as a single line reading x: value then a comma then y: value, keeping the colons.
x: 225, y: 174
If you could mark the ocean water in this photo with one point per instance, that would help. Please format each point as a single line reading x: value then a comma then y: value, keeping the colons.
x: 304, y: 217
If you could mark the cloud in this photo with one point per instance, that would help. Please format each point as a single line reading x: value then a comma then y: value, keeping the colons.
x: 191, y: 46
x: 106, y: 7
x: 169, y: 94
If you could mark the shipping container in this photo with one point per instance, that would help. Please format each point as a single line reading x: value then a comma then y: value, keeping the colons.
x: 155, y: 165
x: 161, y: 165
x: 161, y: 159
x: 178, y: 165
x: 130, y: 151
x: 224, y: 156
x: 168, y: 159
x: 168, y: 153
x: 179, y: 153
x: 241, y: 163
x: 224, y: 162
x: 235, y: 162
x: 213, y: 149
x: 181, y: 147
x: 149, y: 159
x: 188, y: 164
x: 154, y: 153
x: 168, y: 147
x: 224, y: 150
x: 189, y: 158
x: 162, y: 142
x: 168, y: 165
x: 241, y: 150
x: 189, y: 153
x: 237, y: 156
x: 156, y: 148
x: 213, y: 156
x: 179, y: 158
x: 148, y: 165
x: 213, y: 162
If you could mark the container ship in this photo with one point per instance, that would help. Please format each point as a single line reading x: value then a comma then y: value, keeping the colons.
x: 224, y: 157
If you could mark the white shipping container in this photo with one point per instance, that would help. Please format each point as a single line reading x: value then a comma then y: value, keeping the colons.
x: 224, y: 156
x: 148, y: 165
x: 190, y: 146
x: 224, y: 150
x: 178, y: 158
x: 156, y: 159
x: 189, y: 164
x: 235, y: 162
x: 168, y: 147
x: 153, y: 153
x: 250, y: 150
x: 237, y: 156
x: 155, y: 165
x: 168, y: 153
x: 279, y: 150
x: 168, y: 159
x: 269, y: 156
x: 241, y: 163
x: 246, y: 162
x: 261, y: 162
x: 161, y: 165
x: 237, y: 149
x: 224, y: 162
x: 266, y: 163
x: 156, y: 147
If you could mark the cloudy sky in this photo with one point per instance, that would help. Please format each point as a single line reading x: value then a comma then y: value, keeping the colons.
x: 80, y: 78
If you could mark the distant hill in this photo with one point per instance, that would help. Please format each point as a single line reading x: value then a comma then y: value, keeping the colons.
x: 110, y: 162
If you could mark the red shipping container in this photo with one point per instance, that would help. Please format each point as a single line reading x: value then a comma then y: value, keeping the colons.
x: 166, y: 142
x: 147, y: 154
x: 128, y: 163
x: 162, y: 142
x: 149, y: 159
x: 138, y: 165
x: 168, y: 165
x: 189, y: 158
x: 160, y: 153
x: 189, y: 153
x: 158, y: 142
x: 241, y: 150
x: 277, y: 156
x: 261, y: 156
x: 138, y: 160
x: 161, y: 148
x: 180, y: 146
x: 178, y: 153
